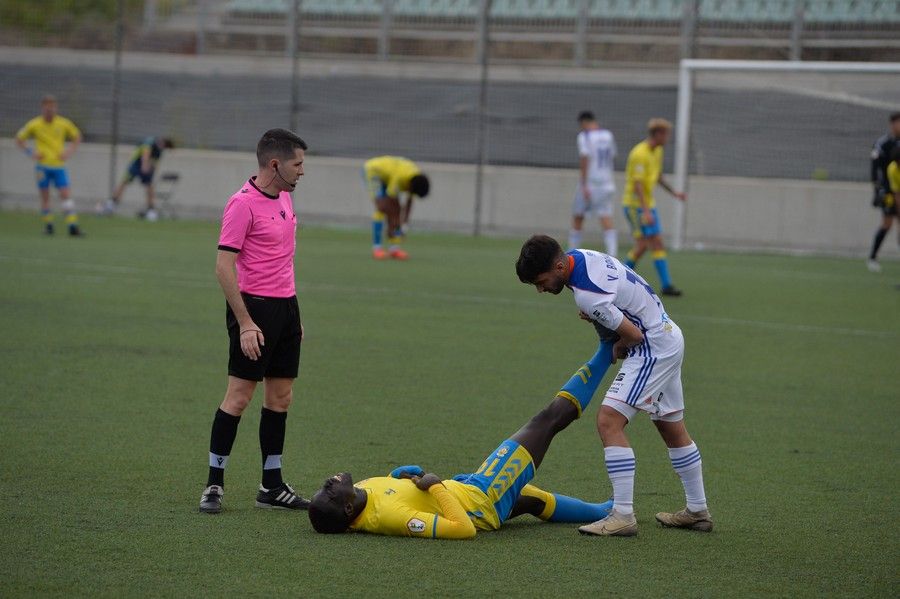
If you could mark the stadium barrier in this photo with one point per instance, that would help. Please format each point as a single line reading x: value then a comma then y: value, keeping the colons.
x: 725, y: 212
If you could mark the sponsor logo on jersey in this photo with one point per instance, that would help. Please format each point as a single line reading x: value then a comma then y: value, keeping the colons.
x: 502, y: 452
x: 415, y: 525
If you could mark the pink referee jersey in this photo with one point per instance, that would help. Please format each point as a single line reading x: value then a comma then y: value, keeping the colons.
x: 262, y: 230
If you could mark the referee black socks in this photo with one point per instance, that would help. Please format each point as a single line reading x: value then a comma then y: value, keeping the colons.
x: 271, y: 443
x: 224, y: 430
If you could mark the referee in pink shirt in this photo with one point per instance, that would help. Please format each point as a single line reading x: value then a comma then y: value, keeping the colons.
x: 255, y: 267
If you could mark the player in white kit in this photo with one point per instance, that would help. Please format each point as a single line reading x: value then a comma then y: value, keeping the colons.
x: 596, y: 187
x: 651, y: 346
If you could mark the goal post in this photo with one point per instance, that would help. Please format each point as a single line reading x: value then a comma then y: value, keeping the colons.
x: 795, y: 90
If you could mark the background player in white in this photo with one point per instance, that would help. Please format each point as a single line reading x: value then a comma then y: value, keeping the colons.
x: 612, y: 295
x: 596, y: 188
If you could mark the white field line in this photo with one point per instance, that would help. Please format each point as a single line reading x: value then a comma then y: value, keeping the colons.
x: 184, y: 279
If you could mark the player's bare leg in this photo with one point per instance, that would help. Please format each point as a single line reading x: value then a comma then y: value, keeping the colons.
x: 391, y: 208
x: 686, y: 461
x: 636, y: 251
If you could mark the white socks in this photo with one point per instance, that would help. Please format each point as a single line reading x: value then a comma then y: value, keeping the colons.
x: 688, y: 465
x: 620, y: 466
x: 611, y: 240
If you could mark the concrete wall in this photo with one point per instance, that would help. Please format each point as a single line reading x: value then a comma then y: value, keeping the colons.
x: 766, y: 214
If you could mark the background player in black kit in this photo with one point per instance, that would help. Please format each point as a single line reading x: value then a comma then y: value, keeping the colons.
x: 884, y: 199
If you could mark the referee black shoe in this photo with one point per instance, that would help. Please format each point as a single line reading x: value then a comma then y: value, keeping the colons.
x: 281, y: 497
x: 671, y: 291
x: 211, y: 500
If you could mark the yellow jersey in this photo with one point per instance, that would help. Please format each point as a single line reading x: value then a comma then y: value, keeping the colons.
x: 644, y: 166
x: 893, y: 175
x: 451, y: 510
x: 393, y: 172
x: 49, y: 138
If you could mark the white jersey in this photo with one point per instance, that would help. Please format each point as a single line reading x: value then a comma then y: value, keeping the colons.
x: 608, y: 291
x: 599, y: 147
x: 649, y: 379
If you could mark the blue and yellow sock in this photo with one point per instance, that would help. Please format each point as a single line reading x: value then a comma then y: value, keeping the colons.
x: 583, y: 384
x: 662, y: 267
x: 631, y: 259
x: 562, y: 508
x: 377, y: 227
x: 47, y: 220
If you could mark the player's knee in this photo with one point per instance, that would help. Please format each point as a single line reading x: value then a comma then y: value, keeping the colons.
x: 237, y: 398
x: 279, y: 402
x: 609, y: 422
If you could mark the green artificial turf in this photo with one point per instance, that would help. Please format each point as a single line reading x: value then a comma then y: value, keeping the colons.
x: 113, y: 355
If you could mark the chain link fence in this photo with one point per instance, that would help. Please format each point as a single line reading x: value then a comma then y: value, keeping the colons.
x: 463, y: 81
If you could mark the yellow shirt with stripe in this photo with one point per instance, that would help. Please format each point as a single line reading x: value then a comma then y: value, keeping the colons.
x: 893, y: 177
x: 395, y: 172
x: 49, y: 138
x: 645, y: 167
x: 450, y: 510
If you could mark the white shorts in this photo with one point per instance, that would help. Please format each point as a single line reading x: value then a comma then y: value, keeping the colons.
x: 650, y: 377
x: 600, y: 203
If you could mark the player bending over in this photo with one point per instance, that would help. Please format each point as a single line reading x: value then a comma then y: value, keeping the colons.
x: 386, y: 177
x: 412, y: 503
x: 651, y: 348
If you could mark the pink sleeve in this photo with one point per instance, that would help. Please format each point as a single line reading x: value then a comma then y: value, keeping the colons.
x: 235, y: 225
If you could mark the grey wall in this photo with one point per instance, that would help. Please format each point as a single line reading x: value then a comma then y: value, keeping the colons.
x: 764, y: 214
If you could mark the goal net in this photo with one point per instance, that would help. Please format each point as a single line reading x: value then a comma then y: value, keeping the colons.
x: 812, y: 122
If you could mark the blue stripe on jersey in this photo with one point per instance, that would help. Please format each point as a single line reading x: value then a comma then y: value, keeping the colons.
x: 579, y: 278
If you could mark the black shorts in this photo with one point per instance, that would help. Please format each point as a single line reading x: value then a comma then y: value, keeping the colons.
x: 279, y: 320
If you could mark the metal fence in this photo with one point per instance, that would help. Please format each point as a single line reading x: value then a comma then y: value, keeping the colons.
x: 467, y: 81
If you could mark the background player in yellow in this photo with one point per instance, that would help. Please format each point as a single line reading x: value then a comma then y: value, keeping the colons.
x: 642, y: 172
x: 50, y: 133
x: 412, y: 503
x: 386, y: 177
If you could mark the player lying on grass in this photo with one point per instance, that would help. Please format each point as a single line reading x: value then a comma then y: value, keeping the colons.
x: 412, y: 503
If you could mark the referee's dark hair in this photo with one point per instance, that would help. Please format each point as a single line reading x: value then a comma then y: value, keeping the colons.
x: 537, y: 257
x: 586, y: 115
x: 277, y: 143
x: 895, y: 116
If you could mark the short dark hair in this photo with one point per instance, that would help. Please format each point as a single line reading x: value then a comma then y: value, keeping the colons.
x: 537, y: 257
x: 277, y: 143
x: 326, y: 520
x: 895, y: 116
x: 586, y: 115
x: 167, y: 143
x: 419, y: 185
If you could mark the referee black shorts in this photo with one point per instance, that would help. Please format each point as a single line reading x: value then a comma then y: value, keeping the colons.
x: 279, y: 320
